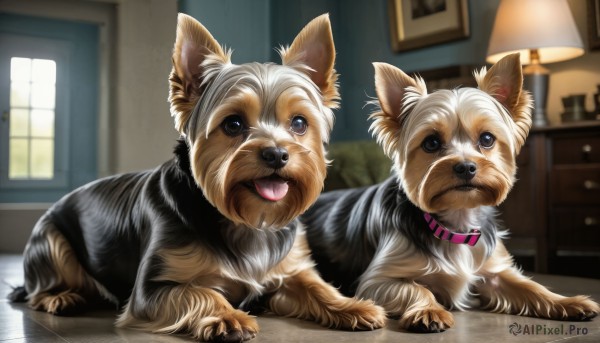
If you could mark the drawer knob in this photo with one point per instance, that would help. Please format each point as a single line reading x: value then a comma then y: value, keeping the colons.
x: 586, y: 148
x: 590, y: 221
x: 591, y: 185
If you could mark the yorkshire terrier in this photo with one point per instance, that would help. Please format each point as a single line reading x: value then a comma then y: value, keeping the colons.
x: 426, y: 240
x: 188, y: 246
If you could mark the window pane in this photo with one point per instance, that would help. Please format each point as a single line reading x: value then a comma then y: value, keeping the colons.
x: 19, y: 123
x: 20, y: 69
x: 18, y: 157
x: 42, y: 123
x: 42, y: 158
x: 42, y: 95
x: 32, y: 118
x: 19, y: 94
x: 44, y: 71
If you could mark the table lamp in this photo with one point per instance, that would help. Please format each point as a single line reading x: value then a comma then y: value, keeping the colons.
x: 542, y: 31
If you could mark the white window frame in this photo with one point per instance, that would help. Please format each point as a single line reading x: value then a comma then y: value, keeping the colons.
x: 42, y: 48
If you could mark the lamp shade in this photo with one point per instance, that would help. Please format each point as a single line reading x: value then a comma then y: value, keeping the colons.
x: 545, y: 25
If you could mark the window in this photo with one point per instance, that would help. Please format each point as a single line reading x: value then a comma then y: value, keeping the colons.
x: 34, y: 100
x: 32, y: 112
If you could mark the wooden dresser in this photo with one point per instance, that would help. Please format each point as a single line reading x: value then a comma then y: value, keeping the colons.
x: 553, y: 211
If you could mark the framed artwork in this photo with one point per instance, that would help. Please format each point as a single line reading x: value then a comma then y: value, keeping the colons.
x: 416, y: 24
x: 594, y: 24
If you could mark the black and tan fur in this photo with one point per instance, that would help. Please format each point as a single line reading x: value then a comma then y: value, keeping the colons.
x: 186, y: 245
x: 375, y: 243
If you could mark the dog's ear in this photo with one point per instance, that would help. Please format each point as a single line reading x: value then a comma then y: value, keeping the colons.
x: 194, y: 45
x: 313, y: 47
x: 504, y: 82
x: 391, y: 86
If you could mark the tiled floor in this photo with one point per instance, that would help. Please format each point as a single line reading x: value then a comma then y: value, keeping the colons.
x: 20, y: 324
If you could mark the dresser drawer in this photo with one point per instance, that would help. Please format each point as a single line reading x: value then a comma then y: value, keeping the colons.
x: 575, y: 185
x: 577, y: 227
x: 572, y: 150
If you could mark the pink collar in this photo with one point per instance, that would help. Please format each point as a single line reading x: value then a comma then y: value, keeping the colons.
x: 441, y: 232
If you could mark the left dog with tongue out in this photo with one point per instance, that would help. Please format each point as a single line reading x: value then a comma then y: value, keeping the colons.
x: 213, y: 229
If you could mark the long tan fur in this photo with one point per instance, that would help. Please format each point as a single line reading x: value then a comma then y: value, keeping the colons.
x: 420, y: 288
x: 187, y: 246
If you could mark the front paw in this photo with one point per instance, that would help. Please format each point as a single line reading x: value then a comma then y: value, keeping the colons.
x: 355, y: 314
x: 575, y: 308
x: 427, y: 320
x: 231, y: 326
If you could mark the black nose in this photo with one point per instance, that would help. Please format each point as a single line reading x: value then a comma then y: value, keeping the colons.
x: 465, y: 170
x: 275, y: 157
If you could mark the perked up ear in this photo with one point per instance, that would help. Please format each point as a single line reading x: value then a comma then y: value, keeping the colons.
x: 504, y: 82
x: 314, y: 48
x: 194, y: 45
x: 391, y: 86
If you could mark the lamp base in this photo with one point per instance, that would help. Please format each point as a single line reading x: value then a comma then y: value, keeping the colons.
x: 537, y: 84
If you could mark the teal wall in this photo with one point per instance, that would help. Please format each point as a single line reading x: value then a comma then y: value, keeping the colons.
x: 361, y: 34
x: 241, y: 25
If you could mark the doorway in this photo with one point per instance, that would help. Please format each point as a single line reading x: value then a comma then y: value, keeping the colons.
x: 48, y: 107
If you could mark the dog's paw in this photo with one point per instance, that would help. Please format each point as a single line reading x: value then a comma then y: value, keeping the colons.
x: 355, y: 314
x: 578, y: 308
x: 427, y: 320
x: 66, y: 303
x: 232, y: 326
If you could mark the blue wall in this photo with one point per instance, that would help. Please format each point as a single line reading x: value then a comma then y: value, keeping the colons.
x: 361, y: 34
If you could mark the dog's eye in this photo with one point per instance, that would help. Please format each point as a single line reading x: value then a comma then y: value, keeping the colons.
x: 299, y: 125
x: 486, y: 140
x: 233, y: 125
x: 431, y: 144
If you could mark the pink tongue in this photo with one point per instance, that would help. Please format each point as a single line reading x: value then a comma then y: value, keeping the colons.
x: 271, y: 189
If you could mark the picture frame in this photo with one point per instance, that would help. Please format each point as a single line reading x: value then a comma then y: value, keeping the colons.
x: 448, y: 77
x: 416, y: 24
x: 594, y: 24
